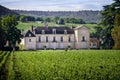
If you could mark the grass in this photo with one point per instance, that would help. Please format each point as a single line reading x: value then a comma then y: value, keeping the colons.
x: 27, y: 26
x: 70, y: 65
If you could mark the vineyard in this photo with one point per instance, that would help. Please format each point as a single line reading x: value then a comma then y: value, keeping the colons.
x: 3, y: 59
x: 62, y: 65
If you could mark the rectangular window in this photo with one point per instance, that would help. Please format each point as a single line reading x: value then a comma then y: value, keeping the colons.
x: 83, y: 38
x: 46, y: 38
x: 29, y: 40
x: 54, y: 40
x: 61, y: 38
x: 69, y: 39
x: 94, y: 44
x: 39, y: 39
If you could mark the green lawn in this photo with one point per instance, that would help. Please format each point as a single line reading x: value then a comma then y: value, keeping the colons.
x: 26, y: 26
x: 70, y: 65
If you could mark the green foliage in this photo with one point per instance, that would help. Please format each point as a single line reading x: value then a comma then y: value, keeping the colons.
x: 116, y: 32
x: 3, y: 68
x: 88, y: 16
x: 11, y: 73
x: 2, y: 36
x: 108, y: 17
x: 74, y: 20
x: 47, y: 19
x: 24, y: 18
x: 56, y: 19
x: 70, y: 65
x: 61, y: 21
x: 13, y: 34
x: 39, y: 19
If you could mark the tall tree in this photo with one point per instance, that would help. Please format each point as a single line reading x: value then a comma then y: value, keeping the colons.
x: 2, y: 36
x: 13, y: 34
x: 108, y: 17
x: 56, y: 19
x: 116, y: 32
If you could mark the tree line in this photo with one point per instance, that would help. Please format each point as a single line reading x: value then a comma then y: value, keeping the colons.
x: 57, y: 20
x: 88, y: 16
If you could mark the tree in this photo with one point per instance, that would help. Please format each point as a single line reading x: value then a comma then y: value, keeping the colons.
x: 116, y: 32
x: 39, y: 19
x: 30, y: 18
x: 13, y: 34
x: 61, y: 21
x: 47, y: 19
x: 2, y: 36
x: 108, y: 17
x: 23, y: 18
x: 56, y: 19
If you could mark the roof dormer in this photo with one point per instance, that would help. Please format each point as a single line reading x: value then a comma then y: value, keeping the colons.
x: 65, y: 31
x: 54, y: 31
x: 43, y: 31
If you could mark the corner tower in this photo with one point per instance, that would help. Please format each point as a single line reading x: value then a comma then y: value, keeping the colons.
x: 30, y: 40
x: 82, y: 37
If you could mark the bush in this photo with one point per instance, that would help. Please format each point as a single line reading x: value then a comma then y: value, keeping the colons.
x: 7, y: 48
x: 17, y: 48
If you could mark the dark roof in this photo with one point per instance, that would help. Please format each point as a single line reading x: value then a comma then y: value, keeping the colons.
x: 29, y: 33
x: 59, y: 30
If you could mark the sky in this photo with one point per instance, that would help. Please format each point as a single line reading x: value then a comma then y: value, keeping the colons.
x: 55, y: 5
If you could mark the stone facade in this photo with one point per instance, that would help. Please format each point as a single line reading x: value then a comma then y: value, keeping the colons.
x: 57, y: 38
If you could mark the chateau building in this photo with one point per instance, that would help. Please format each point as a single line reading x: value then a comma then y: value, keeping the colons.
x: 59, y: 38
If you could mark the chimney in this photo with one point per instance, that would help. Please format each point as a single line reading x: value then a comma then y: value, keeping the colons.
x: 32, y: 28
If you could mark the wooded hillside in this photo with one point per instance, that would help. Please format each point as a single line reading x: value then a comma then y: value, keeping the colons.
x: 87, y: 16
x: 6, y: 11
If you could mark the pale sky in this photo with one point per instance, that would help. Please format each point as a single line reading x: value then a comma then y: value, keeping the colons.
x: 55, y: 5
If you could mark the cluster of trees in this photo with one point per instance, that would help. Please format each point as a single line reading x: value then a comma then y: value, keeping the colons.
x: 24, y: 18
x: 57, y: 20
x: 108, y: 30
x: 9, y: 32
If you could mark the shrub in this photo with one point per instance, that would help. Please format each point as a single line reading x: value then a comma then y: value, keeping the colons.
x: 16, y: 48
x: 7, y: 48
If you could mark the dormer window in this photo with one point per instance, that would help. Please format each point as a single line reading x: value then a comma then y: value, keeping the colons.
x: 29, y: 35
x: 54, y: 31
x: 65, y: 31
x: 43, y: 31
